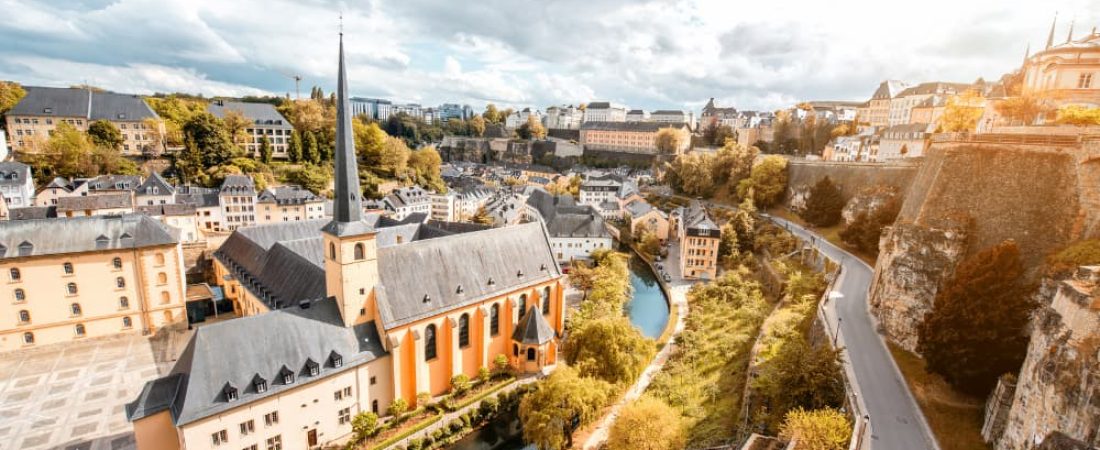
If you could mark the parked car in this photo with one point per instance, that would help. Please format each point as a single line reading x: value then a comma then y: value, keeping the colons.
x: 668, y: 279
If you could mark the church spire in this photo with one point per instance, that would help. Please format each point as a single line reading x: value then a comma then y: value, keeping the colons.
x: 1027, y: 53
x: 348, y: 206
x: 1069, y: 37
x: 1050, y: 37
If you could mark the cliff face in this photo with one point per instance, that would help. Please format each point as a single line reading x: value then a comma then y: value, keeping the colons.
x: 852, y: 178
x: 869, y: 200
x: 1058, y: 388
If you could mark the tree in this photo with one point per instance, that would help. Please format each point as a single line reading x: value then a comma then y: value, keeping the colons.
x: 236, y: 124
x: 393, y: 161
x: 69, y: 153
x: 176, y: 110
x: 824, y: 204
x: 156, y: 134
x: 364, y: 424
x: 209, y: 137
x: 312, y: 177
x: 1078, y: 115
x: 532, y: 129
x: 425, y: 165
x: 558, y: 403
x: 800, y: 376
x: 265, y: 150
x: 610, y: 349
x: 310, y: 152
x: 482, y: 217
x: 866, y: 229
x: 669, y: 141
x: 728, y: 248
x: 766, y: 183
x: 294, y: 147
x: 647, y: 424
x: 398, y: 408
x: 105, y: 134
x: 976, y: 330
x: 961, y: 113
x: 822, y: 429
x: 10, y: 95
x: 491, y: 114
x: 476, y: 125
x: 1023, y: 110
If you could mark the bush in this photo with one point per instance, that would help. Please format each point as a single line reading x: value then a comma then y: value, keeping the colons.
x: 415, y: 444
x: 456, y: 426
x: 823, y: 429
x: 501, y: 368
x: 824, y: 205
x: 489, y: 406
x: 1082, y: 253
x: 365, y: 424
x: 483, y: 374
x: 460, y: 384
x: 398, y: 408
x: 437, y: 434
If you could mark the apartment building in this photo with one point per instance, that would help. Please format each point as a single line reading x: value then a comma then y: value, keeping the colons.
x: 630, y: 137
x: 266, y: 122
x: 604, y: 112
x: 564, y: 118
x: 288, y: 203
x: 32, y: 120
x: 879, y: 105
x: 901, y: 106
x: 237, y: 197
x: 16, y: 184
x: 715, y: 116
x: 408, y: 200
x: 699, y: 237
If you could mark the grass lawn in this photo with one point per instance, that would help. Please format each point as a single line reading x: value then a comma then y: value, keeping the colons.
x: 831, y: 234
x: 955, y: 418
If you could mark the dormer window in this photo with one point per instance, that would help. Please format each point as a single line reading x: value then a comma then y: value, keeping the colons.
x: 337, y: 360
x: 313, y: 368
x: 287, y: 375
x: 492, y: 282
x: 259, y: 384
x: 459, y: 290
x: 427, y: 299
x: 230, y: 393
x: 25, y: 248
x: 519, y: 273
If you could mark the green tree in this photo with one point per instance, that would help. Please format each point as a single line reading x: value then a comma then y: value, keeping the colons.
x: 977, y: 328
x: 208, y: 136
x: 1078, y: 115
x: 69, y: 153
x: 425, y: 164
x: 610, y: 349
x: 729, y: 250
x: 646, y: 424
x: 766, y: 183
x: 236, y: 124
x: 669, y: 141
x: 294, y: 147
x: 476, y: 125
x: 398, y: 408
x: 310, y: 151
x: 106, y: 134
x: 176, y: 110
x: 800, y: 376
x: 866, y: 229
x: 313, y: 177
x: 822, y: 429
x: 550, y: 409
x: 364, y: 424
x: 824, y: 204
x: 265, y: 150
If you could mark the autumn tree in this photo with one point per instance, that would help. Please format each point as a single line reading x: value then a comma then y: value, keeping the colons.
x: 824, y: 204
x: 312, y: 177
x: 1078, y: 115
x: 800, y: 376
x: 976, y: 330
x: 1022, y: 110
x: 311, y: 153
x: 961, y: 113
x: 369, y: 140
x: 265, y: 150
x: 766, y: 182
x: 647, y: 424
x: 105, y: 134
x: 424, y: 165
x: 821, y: 429
x: 294, y: 147
x: 669, y: 141
x: 866, y: 229
x: 236, y: 124
x: 10, y: 95
x: 476, y: 126
x: 558, y: 404
x: 482, y: 216
x: 176, y: 110
x: 491, y: 114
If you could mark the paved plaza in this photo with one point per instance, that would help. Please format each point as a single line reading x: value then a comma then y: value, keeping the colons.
x: 73, y: 396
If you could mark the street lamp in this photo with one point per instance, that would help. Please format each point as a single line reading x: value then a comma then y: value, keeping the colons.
x: 837, y: 334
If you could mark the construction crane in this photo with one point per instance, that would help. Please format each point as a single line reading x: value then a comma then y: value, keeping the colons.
x: 297, y: 84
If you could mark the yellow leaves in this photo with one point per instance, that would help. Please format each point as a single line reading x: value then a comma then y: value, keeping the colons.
x: 1078, y: 115
x: 822, y: 429
x: 647, y: 424
x: 962, y: 113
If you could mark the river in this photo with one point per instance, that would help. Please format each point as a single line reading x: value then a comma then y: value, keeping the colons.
x: 648, y: 310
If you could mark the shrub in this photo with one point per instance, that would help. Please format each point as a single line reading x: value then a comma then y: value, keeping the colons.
x: 488, y: 406
x: 823, y: 429
x: 1082, y: 253
x: 460, y: 384
x: 437, y: 434
x: 398, y: 408
x: 456, y: 425
x: 415, y: 444
x: 824, y: 205
x: 483, y: 374
x: 501, y: 368
x: 365, y: 424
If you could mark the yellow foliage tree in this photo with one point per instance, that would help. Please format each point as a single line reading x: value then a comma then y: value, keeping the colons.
x: 1078, y: 115
x: 647, y: 424
x: 669, y: 141
x: 961, y: 114
x: 821, y: 429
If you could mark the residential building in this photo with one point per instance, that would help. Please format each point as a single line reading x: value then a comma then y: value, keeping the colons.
x: 444, y: 207
x: 834, y: 111
x: 265, y: 122
x: 630, y: 137
x: 209, y: 214
x: 564, y: 118
x: 182, y: 218
x: 644, y: 216
x: 237, y: 198
x: 288, y: 203
x: 448, y: 111
x: 518, y: 118
x: 901, y: 106
x: 35, y: 117
x: 903, y: 141
x: 672, y: 116
x: 637, y: 115
x: 604, y: 112
x: 373, y: 108
x: 155, y: 190
x: 575, y: 230
x: 408, y: 200
x: 928, y: 111
x: 79, y: 278
x: 715, y: 116
x: 16, y: 184
x: 596, y: 190
x: 699, y: 238
x: 1066, y: 73
x: 105, y: 204
x: 346, y: 316
x: 879, y: 105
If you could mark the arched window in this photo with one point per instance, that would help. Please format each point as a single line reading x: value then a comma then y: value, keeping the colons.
x: 160, y: 259
x: 162, y: 278
x: 71, y: 288
x: 75, y: 308
x: 359, y: 251
x: 123, y: 302
x: 28, y: 338
x: 15, y: 276
x: 332, y: 250
x: 79, y: 329
x: 120, y: 282
x: 127, y: 322
x: 20, y: 295
x: 522, y: 304
x: 429, y: 342
x: 546, y: 300
x: 68, y: 268
x: 531, y: 354
x: 165, y: 298
x: 464, y: 331
x: 117, y: 262
x: 494, y: 319
x: 24, y: 316
x: 515, y: 350
x: 374, y: 406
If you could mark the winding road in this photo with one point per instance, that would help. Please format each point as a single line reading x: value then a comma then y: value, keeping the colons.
x: 896, y: 422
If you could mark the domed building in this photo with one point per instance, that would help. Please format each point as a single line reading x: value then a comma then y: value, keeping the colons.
x: 1066, y: 73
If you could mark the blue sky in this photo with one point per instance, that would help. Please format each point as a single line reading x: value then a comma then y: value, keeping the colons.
x: 649, y: 54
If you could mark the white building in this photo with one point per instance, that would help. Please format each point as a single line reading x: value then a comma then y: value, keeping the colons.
x: 637, y: 115
x: 518, y: 118
x: 409, y: 200
x: 604, y: 112
x: 575, y: 230
x: 16, y: 184
x: 266, y: 122
x: 595, y: 191
x: 237, y: 198
x: 4, y: 151
x: 903, y: 141
x: 180, y: 217
x: 671, y: 116
x: 563, y: 118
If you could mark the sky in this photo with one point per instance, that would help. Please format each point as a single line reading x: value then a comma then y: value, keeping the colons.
x: 651, y: 54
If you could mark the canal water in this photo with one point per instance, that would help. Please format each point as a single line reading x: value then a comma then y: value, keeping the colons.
x: 648, y: 310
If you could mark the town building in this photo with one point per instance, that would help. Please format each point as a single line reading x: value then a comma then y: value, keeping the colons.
x: 638, y: 138
x: 265, y: 122
x: 672, y: 116
x: 699, y: 238
x: 644, y: 216
x: 901, y: 106
x: 637, y: 115
x: 237, y: 198
x: 34, y: 118
x: 372, y: 108
x: 596, y: 190
x: 79, y: 278
x: 518, y: 118
x: 575, y: 230
x: 182, y: 218
x: 564, y: 118
x: 1066, y: 73
x: 604, y: 112
x: 715, y: 116
x: 903, y: 141
x: 105, y: 204
x: 16, y: 184
x: 288, y: 203
x: 345, y: 317
x: 209, y: 214
x: 879, y: 105
x: 928, y: 111
x: 408, y: 200
x: 155, y: 190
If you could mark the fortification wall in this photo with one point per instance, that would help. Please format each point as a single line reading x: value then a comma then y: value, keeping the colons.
x: 852, y: 178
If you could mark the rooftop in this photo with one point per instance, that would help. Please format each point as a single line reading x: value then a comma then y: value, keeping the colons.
x: 38, y: 237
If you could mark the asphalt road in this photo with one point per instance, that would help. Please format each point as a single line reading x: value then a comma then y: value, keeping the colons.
x: 896, y: 421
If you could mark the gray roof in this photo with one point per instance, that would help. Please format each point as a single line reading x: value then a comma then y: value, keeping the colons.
x: 638, y: 208
x: 73, y: 102
x: 120, y: 107
x: 238, y: 185
x: 641, y: 127
x: 261, y: 114
x: 935, y: 87
x: 906, y: 128
x: 888, y: 89
x: 112, y: 182
x: 166, y: 210
x: 288, y: 195
x: 598, y: 105
x: 154, y: 185
x: 81, y: 234
x: 32, y: 212
x: 95, y: 201
x: 238, y: 352
x: 200, y: 198
x: 565, y: 219
x: 532, y: 328
x: 696, y: 218
x: 14, y: 173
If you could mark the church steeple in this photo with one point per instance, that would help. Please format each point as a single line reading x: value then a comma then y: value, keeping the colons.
x: 348, y: 207
x: 1050, y: 37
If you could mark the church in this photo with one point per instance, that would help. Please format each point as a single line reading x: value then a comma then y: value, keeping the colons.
x: 348, y: 315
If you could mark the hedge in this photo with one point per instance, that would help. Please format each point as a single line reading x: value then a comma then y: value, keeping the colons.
x: 420, y: 426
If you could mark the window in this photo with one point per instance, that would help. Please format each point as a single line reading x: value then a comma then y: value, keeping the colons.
x: 260, y: 384
x: 162, y: 278
x: 20, y: 295
x: 288, y: 377
x: 71, y: 288
x: 429, y: 342
x: 373, y: 380
x: 343, y: 416
x: 347, y: 391
x: 275, y: 443
x: 15, y: 276
x: 28, y: 338
x: 313, y: 367
x: 338, y: 395
x: 68, y: 268
x: 494, y: 319
x: 359, y: 251
x: 464, y: 331
x: 127, y: 322
x: 1084, y: 81
x: 160, y: 259
x: 531, y: 354
x: 250, y: 447
x: 165, y: 297
x: 271, y: 418
x: 79, y: 329
x: 374, y: 406
x: 231, y: 393
x: 546, y: 300
x: 75, y: 308
x: 117, y: 263
x: 24, y: 316
x: 332, y: 250
x: 220, y: 437
x: 515, y: 350
x: 120, y: 282
x: 522, y: 304
x: 248, y: 427
x: 123, y: 302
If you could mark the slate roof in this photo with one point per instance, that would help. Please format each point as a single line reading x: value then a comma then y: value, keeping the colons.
x: 32, y: 212
x: 564, y: 219
x: 111, y: 182
x: 39, y: 237
x: 73, y: 102
x: 905, y: 128
x: 888, y: 89
x: 94, y: 202
x: 238, y: 185
x: 288, y: 195
x: 262, y: 114
x: 696, y: 218
x: 166, y: 210
x: 935, y: 87
x: 640, y: 127
x: 532, y: 328
x: 240, y: 351
x: 14, y: 173
x: 154, y: 185
x: 638, y: 208
x: 598, y: 105
x: 124, y: 107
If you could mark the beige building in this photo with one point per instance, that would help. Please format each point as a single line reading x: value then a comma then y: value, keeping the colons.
x: 901, y: 106
x: 630, y: 137
x: 878, y: 108
x: 645, y: 216
x: 288, y: 203
x: 32, y: 120
x: 237, y: 197
x: 68, y: 279
x: 1067, y: 73
x: 265, y: 122
x: 180, y: 217
x: 96, y: 205
x: 699, y: 238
